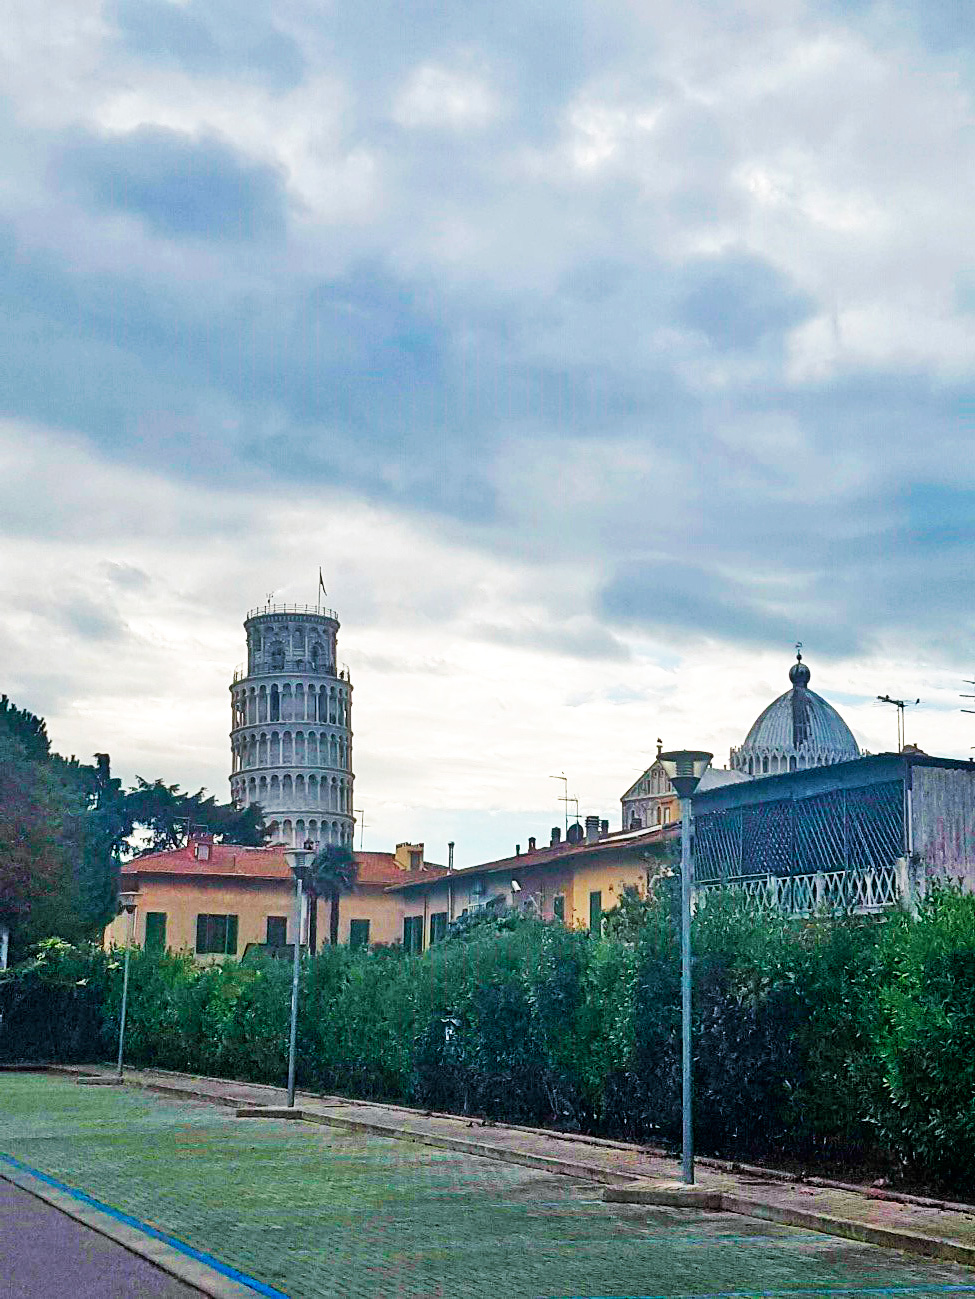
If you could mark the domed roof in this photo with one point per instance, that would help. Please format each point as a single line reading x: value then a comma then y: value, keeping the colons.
x: 797, y: 730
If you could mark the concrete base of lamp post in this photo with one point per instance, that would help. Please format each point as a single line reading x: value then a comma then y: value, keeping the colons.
x: 268, y: 1112
x: 675, y: 1195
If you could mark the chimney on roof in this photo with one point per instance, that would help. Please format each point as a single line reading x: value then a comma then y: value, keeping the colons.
x: 556, y: 836
x: 409, y: 856
x: 603, y: 828
x: 531, y: 843
x: 592, y: 829
x: 450, y: 855
x: 517, y: 849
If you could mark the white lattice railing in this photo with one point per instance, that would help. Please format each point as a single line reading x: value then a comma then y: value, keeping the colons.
x: 800, y: 895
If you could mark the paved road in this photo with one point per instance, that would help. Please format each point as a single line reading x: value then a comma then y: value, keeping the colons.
x: 322, y: 1214
x: 44, y: 1253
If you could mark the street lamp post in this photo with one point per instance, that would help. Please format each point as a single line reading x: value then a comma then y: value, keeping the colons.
x: 297, y: 859
x: 126, y: 902
x: 685, y: 767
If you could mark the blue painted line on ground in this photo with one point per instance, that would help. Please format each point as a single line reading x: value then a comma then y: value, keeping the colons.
x: 174, y: 1242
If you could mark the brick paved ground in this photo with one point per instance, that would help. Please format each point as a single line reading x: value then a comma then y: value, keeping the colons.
x: 321, y: 1213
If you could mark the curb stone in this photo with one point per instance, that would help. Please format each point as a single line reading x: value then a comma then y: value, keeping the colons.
x: 676, y: 1195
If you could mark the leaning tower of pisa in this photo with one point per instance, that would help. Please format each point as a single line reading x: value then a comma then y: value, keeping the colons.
x: 291, y: 726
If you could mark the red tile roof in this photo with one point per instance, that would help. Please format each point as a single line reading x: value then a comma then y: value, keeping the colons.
x: 547, y: 855
x: 230, y: 860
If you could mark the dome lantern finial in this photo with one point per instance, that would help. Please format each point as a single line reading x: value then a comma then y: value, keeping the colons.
x: 799, y: 673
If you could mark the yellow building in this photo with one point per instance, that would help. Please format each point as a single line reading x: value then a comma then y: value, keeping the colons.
x: 218, y: 900
x: 573, y: 881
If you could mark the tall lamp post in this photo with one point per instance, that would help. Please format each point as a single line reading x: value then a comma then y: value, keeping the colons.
x: 685, y: 767
x: 297, y: 859
x: 126, y: 904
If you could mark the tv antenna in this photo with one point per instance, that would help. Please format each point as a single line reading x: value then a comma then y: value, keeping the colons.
x: 968, y: 682
x: 360, y: 812
x: 565, y: 796
x: 900, y: 705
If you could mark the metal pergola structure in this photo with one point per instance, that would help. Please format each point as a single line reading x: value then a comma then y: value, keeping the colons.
x: 830, y: 837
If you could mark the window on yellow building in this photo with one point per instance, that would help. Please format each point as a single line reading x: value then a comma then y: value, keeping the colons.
x: 358, y: 933
x: 155, y: 931
x: 596, y: 912
x: 277, y: 931
x: 216, y: 934
x: 438, y: 926
x: 413, y: 933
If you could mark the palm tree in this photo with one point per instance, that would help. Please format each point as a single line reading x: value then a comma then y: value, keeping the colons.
x: 332, y: 871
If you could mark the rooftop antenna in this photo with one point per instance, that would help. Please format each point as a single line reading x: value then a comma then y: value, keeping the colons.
x: 565, y: 796
x: 968, y: 682
x: 900, y: 705
x: 359, y: 812
x: 270, y: 597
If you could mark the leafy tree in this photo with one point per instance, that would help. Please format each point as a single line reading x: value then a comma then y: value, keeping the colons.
x: 165, y: 813
x: 332, y: 871
x: 26, y: 729
x: 58, y: 834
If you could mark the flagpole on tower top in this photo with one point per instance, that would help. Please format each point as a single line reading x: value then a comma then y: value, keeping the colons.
x: 321, y: 588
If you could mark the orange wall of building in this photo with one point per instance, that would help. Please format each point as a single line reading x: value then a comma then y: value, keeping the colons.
x: 183, y: 899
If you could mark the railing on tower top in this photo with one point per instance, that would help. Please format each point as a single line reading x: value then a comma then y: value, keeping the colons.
x: 292, y: 608
x: 342, y: 674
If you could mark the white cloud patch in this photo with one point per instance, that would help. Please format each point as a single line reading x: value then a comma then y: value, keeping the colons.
x: 436, y: 97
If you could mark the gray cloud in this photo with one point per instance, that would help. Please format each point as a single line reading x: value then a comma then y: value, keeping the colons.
x: 89, y: 619
x: 181, y: 187
x: 737, y: 301
x: 212, y: 38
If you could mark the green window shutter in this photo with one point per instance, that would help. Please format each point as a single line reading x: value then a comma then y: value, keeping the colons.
x: 231, y: 948
x: 155, y: 931
x: 277, y: 931
x: 407, y: 932
x: 358, y: 933
x: 596, y: 913
x: 201, y: 933
x: 438, y: 926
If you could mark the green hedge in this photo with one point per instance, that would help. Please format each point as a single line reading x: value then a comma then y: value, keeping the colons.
x: 844, y: 1040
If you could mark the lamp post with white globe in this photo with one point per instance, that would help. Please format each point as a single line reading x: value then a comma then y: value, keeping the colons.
x: 684, y: 768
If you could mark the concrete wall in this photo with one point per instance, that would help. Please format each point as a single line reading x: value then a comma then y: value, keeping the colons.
x: 942, y: 821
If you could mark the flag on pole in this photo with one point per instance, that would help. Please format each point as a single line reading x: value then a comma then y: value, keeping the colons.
x: 321, y: 582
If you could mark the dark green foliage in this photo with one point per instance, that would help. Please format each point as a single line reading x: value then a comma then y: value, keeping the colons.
x: 58, y: 833
x: 165, y: 812
x: 56, y: 1006
x: 29, y: 731
x: 841, y: 1040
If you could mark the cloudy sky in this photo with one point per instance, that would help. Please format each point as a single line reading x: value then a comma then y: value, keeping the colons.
x: 597, y: 351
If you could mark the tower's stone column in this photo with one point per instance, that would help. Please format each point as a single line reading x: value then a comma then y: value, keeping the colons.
x: 291, y: 726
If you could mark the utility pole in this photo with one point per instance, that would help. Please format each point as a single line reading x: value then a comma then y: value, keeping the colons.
x: 900, y: 705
